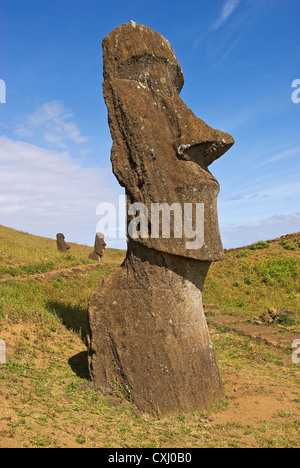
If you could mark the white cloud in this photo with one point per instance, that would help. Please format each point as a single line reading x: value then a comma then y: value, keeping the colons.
x: 228, y: 9
x: 44, y: 192
x: 53, y: 121
x: 265, y: 229
x: 255, y: 196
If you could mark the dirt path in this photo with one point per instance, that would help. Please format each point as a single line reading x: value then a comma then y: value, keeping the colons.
x: 68, y: 272
x: 273, y: 335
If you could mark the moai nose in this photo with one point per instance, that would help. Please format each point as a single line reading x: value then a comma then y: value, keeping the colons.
x: 205, y: 153
x: 199, y: 142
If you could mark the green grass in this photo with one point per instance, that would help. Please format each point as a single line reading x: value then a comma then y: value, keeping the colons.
x: 23, y: 254
x: 52, y: 404
x: 23, y: 270
x: 252, y: 279
x: 244, y: 253
x: 279, y: 272
x: 260, y: 245
x: 286, y: 320
x: 46, y: 399
x: 291, y: 244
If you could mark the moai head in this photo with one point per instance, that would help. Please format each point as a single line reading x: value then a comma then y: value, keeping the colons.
x: 161, y: 152
x: 62, y: 246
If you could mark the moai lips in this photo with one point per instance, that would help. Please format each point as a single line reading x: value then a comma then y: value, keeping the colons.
x: 148, y: 332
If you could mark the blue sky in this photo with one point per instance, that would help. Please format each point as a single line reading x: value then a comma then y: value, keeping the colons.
x: 239, y: 58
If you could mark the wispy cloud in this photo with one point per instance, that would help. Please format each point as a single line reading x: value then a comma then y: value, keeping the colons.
x: 47, y: 191
x: 238, y: 31
x: 254, y: 196
x: 54, y: 122
x: 284, y: 155
x: 229, y: 7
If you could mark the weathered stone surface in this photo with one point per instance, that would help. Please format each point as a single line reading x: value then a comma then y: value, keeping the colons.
x: 161, y: 151
x: 99, y: 247
x: 148, y: 333
x: 62, y: 246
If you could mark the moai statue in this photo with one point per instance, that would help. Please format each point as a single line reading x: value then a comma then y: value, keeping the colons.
x: 148, y: 332
x: 62, y: 246
x: 98, y: 248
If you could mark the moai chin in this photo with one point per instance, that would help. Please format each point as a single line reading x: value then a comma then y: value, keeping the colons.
x: 148, y: 332
x: 99, y: 247
x: 62, y: 246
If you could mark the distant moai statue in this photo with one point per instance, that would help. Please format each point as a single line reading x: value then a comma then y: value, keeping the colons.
x: 98, y: 248
x: 62, y: 246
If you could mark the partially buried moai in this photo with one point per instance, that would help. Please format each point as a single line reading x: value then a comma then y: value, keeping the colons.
x: 99, y: 247
x: 148, y: 332
x: 62, y: 246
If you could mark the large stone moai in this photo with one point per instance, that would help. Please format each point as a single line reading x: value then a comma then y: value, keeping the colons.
x: 99, y: 247
x: 148, y: 332
x: 62, y: 246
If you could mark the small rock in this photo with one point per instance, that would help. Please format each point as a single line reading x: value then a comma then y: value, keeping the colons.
x: 272, y: 313
x: 266, y: 318
x: 269, y: 317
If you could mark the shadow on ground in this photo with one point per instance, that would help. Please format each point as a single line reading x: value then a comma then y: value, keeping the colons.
x: 75, y: 318
x: 79, y: 365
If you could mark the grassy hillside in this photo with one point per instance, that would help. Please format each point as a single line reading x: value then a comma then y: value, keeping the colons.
x: 252, y: 279
x: 23, y: 254
x: 45, y: 397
